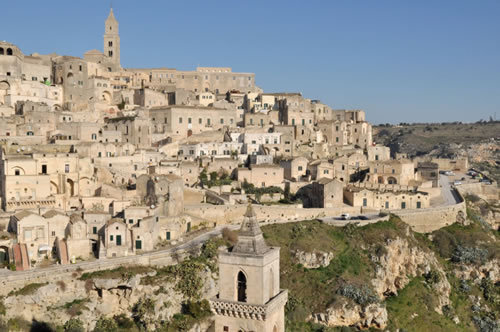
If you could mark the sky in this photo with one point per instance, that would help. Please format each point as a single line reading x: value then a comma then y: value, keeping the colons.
x: 400, y: 61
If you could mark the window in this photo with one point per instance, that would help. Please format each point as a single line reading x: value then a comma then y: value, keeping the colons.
x: 138, y: 244
x: 110, y: 53
x: 168, y: 235
x: 419, y: 205
x: 403, y: 205
x: 180, y: 120
x: 17, y: 172
x: 111, y: 237
x: 110, y: 44
x: 44, y: 169
x: 81, y: 67
x: 325, y: 171
x: 376, y: 157
x: 94, y: 230
x: 386, y: 205
x: 300, y: 168
x: 242, y: 287
x: 226, y: 328
x: 66, y: 168
x: 336, y: 139
x: 189, y: 120
x: 53, y: 233
x: 365, y: 202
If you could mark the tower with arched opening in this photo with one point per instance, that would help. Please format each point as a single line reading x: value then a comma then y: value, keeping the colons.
x: 250, y: 298
x: 112, y: 41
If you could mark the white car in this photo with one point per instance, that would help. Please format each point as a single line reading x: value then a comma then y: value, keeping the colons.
x: 345, y: 216
x: 457, y: 183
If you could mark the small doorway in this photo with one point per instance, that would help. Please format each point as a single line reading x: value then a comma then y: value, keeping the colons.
x: 138, y: 244
x: 118, y: 240
x: 168, y: 236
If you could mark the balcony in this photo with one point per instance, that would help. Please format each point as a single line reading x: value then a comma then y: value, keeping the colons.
x: 247, y: 310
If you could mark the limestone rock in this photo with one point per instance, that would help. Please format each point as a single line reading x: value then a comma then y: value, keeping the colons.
x: 313, y: 260
x: 489, y: 270
x: 400, y: 263
x: 371, y: 316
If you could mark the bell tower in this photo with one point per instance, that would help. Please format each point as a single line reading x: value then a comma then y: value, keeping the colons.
x: 250, y: 298
x: 112, y: 41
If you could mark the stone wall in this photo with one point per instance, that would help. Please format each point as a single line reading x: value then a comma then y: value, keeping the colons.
x: 16, y: 280
x: 486, y: 191
x: 431, y: 219
x: 226, y: 214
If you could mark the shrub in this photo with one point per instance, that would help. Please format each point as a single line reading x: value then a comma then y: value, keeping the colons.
x: 74, y: 325
x: 28, y: 289
x: 62, y: 285
x: 123, y: 321
x: 199, y: 310
x: 143, y: 313
x: 89, y: 285
x: 469, y: 255
x: 229, y: 235
x: 432, y: 277
x: 362, y: 296
x: 105, y: 325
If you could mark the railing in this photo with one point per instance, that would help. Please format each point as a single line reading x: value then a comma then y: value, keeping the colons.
x: 247, y: 310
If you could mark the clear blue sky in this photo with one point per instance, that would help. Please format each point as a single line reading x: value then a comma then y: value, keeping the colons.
x: 399, y: 60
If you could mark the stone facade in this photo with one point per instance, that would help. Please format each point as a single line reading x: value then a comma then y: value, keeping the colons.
x: 249, y: 298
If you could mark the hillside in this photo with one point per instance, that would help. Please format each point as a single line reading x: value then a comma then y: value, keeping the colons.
x: 381, y: 276
x: 478, y: 141
x: 384, y: 276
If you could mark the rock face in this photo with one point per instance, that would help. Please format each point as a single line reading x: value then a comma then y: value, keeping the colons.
x: 490, y: 270
x: 345, y: 314
x: 313, y: 260
x: 400, y: 263
x: 91, y: 299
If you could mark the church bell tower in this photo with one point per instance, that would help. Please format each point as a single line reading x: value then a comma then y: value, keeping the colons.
x: 250, y: 298
x: 112, y: 42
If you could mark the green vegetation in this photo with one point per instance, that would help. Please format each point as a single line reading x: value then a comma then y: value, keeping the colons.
x: 258, y: 192
x: 413, y: 310
x: 3, y: 310
x: 105, y: 325
x: 28, y: 289
x: 215, y: 179
x: 187, y: 274
x: 122, y: 272
x: 74, y: 325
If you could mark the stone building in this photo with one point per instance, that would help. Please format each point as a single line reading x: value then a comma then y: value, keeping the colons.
x: 386, y: 200
x: 263, y: 175
x: 400, y: 172
x: 250, y: 298
x: 327, y: 193
x: 294, y: 168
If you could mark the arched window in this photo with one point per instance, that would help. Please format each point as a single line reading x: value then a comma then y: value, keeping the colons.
x: 242, y: 287
x: 9, y: 51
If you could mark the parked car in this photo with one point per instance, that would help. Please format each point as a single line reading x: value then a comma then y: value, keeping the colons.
x: 457, y: 183
x: 345, y: 216
x: 363, y: 218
